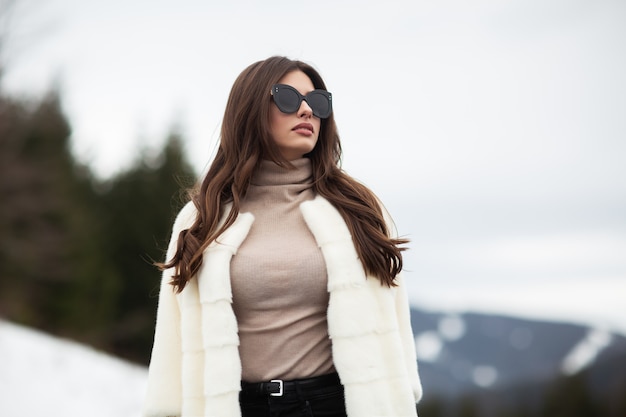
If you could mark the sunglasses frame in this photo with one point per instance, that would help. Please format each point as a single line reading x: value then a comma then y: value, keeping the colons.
x: 276, y: 90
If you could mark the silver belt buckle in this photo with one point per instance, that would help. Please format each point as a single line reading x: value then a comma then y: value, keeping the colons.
x: 280, y: 388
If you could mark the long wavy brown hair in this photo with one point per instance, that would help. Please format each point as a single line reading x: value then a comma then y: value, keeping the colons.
x: 245, y: 141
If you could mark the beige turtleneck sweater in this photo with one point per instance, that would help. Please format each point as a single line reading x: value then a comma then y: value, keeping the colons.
x: 279, y: 281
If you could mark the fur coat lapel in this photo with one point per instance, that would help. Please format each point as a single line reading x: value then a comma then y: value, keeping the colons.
x: 195, y: 368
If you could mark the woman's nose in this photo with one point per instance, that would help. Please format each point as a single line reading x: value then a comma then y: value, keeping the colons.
x: 305, y: 109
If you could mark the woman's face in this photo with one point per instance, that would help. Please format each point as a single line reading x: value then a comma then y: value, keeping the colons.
x: 295, y: 134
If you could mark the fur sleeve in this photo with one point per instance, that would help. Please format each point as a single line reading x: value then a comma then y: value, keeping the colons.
x: 164, y: 391
x: 403, y: 313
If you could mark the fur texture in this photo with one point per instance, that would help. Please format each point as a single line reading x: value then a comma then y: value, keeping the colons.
x: 195, y: 369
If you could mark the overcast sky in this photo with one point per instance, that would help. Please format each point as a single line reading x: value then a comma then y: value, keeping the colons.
x: 494, y: 131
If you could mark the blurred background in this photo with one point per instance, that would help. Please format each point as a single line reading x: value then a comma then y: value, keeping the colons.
x: 494, y: 132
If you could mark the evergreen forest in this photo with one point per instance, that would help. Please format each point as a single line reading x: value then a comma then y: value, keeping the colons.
x: 76, y: 251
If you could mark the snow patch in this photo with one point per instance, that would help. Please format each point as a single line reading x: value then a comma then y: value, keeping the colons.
x: 428, y: 346
x: 484, y: 375
x: 585, y: 352
x: 451, y: 327
x: 41, y: 375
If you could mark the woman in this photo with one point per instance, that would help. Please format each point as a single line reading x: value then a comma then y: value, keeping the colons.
x: 281, y: 294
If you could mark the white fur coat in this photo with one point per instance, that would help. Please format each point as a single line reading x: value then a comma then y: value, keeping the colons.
x: 195, y: 369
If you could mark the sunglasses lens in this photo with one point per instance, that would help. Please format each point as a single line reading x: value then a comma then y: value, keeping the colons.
x: 287, y: 100
x: 319, y: 103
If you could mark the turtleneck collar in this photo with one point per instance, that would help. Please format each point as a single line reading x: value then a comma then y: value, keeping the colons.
x: 271, y: 174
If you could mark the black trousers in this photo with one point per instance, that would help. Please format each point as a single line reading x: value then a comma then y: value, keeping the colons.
x: 313, y: 397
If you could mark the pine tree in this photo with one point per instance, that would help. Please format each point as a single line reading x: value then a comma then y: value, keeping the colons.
x: 467, y: 407
x: 42, y: 217
x: 569, y: 396
x: 432, y: 407
x: 137, y: 212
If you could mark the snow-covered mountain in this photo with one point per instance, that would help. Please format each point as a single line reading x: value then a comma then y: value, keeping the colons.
x: 459, y: 353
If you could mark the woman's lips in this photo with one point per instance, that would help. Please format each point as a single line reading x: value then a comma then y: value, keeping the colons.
x: 304, y: 129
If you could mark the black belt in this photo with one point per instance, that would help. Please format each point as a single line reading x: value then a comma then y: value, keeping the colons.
x: 278, y: 387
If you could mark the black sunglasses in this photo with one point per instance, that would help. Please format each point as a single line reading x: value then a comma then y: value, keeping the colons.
x: 288, y: 100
